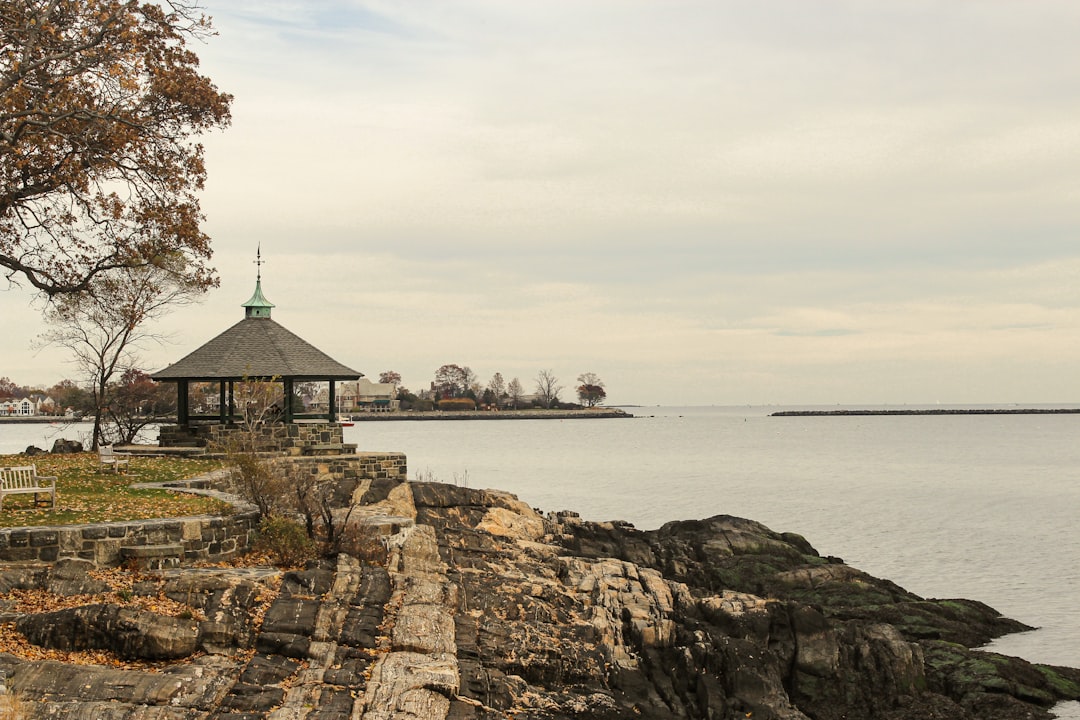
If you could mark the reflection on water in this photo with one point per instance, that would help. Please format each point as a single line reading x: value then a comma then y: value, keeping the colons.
x: 15, y: 437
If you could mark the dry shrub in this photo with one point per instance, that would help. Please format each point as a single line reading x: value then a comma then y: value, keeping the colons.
x: 257, y: 479
x: 285, y: 540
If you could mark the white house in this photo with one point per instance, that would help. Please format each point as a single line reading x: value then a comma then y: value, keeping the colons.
x: 21, y: 408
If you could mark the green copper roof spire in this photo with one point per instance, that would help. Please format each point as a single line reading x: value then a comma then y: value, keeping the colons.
x: 258, y: 306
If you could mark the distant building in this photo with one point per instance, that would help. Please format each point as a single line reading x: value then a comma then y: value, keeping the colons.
x: 46, y: 405
x: 26, y: 407
x: 376, y: 396
x: 362, y: 395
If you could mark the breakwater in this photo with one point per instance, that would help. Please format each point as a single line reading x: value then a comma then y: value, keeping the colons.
x: 928, y: 411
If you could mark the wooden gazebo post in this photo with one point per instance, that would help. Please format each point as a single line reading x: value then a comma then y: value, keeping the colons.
x: 182, y: 413
x: 287, y: 389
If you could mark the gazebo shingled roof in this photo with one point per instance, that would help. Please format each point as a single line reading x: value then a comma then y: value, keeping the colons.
x: 257, y: 348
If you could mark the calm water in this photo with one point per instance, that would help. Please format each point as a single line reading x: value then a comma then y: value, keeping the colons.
x: 981, y: 507
x: 947, y: 506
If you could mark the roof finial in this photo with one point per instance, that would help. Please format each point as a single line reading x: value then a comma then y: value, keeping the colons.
x: 258, y: 263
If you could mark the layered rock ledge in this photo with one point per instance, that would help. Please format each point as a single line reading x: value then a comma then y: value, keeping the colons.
x: 478, y: 607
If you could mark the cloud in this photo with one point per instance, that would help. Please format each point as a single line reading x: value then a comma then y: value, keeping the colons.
x: 700, y: 201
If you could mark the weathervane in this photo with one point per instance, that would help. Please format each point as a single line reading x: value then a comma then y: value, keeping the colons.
x: 258, y: 263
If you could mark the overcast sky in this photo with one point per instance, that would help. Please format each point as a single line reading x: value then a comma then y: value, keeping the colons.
x: 703, y: 202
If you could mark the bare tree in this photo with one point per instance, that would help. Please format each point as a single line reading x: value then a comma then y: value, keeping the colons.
x: 547, y: 388
x: 105, y: 327
x: 497, y: 386
x: 99, y: 102
x: 471, y: 381
x: 390, y: 377
x: 325, y: 503
x: 590, y: 378
x: 306, y: 391
x: 136, y: 401
x: 515, y: 392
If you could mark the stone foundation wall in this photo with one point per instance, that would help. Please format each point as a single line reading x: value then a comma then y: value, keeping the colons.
x: 207, y: 538
x: 189, y: 539
x: 373, y: 466
x: 290, y: 438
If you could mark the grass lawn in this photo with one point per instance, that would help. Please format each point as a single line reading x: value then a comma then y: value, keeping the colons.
x: 84, y: 495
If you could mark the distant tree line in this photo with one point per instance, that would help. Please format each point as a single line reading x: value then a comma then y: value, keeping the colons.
x: 127, y: 404
x: 457, y: 387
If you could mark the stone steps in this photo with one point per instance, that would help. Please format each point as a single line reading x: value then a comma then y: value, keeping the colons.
x: 154, y: 557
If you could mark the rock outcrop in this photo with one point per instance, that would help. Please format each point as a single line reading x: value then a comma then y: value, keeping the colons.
x: 477, y: 607
x: 62, y: 446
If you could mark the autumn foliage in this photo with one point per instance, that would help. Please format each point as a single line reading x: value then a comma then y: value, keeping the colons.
x: 591, y: 390
x: 99, y: 102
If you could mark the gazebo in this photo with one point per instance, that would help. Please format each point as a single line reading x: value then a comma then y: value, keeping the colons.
x: 256, y: 349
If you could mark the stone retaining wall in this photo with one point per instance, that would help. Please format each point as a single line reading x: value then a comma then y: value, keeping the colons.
x: 202, y: 537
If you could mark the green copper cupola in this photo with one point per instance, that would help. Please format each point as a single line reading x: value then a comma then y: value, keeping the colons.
x: 258, y: 306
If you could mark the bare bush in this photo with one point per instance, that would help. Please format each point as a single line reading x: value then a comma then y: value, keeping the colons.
x: 258, y: 481
x: 285, y: 540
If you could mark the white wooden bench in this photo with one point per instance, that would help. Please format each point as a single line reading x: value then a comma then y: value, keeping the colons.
x: 107, y: 458
x: 25, y: 480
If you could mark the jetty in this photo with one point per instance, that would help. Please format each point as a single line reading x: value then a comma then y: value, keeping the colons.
x: 927, y: 411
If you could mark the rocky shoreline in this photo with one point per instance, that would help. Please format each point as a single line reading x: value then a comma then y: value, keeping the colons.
x: 468, y: 604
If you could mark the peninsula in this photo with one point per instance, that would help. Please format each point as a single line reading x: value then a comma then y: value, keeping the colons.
x: 583, y: 414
